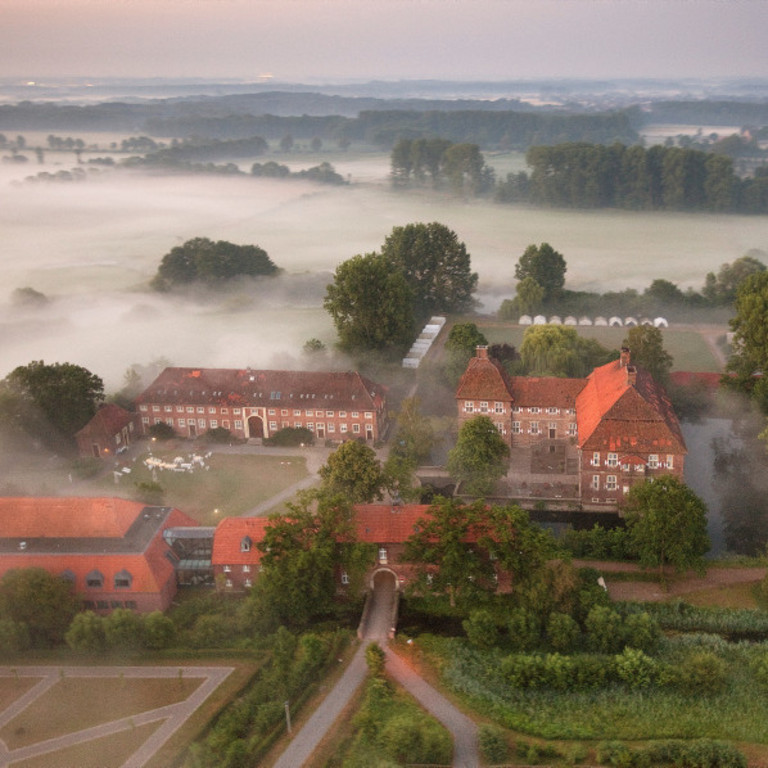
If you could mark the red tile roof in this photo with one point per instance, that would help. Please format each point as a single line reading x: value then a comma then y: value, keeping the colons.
x: 228, y: 539
x: 546, y: 391
x: 387, y: 524
x: 228, y: 386
x: 66, y: 517
x: 686, y: 378
x: 484, y: 379
x: 108, y: 420
x: 616, y: 414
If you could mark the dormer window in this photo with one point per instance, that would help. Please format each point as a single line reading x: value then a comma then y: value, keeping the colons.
x: 245, y: 544
x: 123, y: 580
x: 94, y: 579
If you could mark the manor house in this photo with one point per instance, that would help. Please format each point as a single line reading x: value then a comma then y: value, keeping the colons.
x: 255, y: 404
x: 585, y: 440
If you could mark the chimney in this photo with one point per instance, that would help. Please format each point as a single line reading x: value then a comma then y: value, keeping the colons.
x: 631, y: 375
x: 624, y: 357
x: 481, y: 351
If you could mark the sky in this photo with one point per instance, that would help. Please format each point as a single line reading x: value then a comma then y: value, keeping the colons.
x: 335, y: 40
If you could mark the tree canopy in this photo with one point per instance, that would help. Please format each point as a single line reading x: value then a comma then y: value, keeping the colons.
x: 354, y: 472
x: 646, y: 345
x: 43, y: 603
x: 723, y: 287
x: 461, y: 344
x: 201, y: 260
x: 558, y: 350
x: 371, y: 305
x: 667, y: 524
x: 545, y: 265
x: 436, y: 266
x: 479, y: 458
x: 50, y: 401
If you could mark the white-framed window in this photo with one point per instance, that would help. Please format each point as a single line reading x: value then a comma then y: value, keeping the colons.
x: 225, y: 423
x: 201, y: 409
x: 534, y: 409
x: 211, y: 409
x: 224, y: 411
x: 552, y: 410
x: 331, y: 426
x: 355, y: 429
x: 283, y: 411
x: 500, y: 427
x: 534, y: 428
x: 483, y: 406
x: 670, y: 461
x: 190, y: 409
x: 246, y: 568
x: 236, y: 411
x: 653, y: 461
x: 271, y: 412
x: 145, y: 419
x: 156, y: 408
x: 297, y: 411
x: 248, y: 583
x: 596, y: 459
x: 182, y: 422
x: 342, y: 414
x: 168, y: 408
x: 383, y: 558
x: 595, y: 482
x: 329, y: 414
x: 143, y: 408
x: 180, y: 408
x: 613, y: 459
x: 570, y: 411
x: 214, y: 423
x: 355, y: 414
x: 516, y: 428
x: 498, y: 407
x: 572, y: 429
x: 311, y: 426
x: 368, y: 415
x: 516, y: 409
x: 228, y: 583
x: 344, y: 577
x: 285, y: 424
x: 238, y: 424
x: 201, y: 423
x: 227, y: 569
x: 342, y: 427
x: 309, y: 412
x: 273, y: 425
x: 158, y: 421
x: 610, y: 482
x: 469, y: 406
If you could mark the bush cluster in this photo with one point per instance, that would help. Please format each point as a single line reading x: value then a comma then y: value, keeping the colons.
x: 291, y: 437
x: 698, y: 753
x: 122, y: 630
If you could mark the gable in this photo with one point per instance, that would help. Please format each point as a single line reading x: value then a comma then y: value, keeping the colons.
x: 484, y: 379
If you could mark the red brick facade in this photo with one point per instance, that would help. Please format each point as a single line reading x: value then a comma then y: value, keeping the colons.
x: 256, y: 404
x: 619, y: 418
x: 112, y: 550
x: 109, y: 432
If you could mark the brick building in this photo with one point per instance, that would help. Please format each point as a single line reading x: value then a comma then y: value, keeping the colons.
x: 110, y: 431
x: 618, y: 421
x: 113, y: 551
x: 256, y: 404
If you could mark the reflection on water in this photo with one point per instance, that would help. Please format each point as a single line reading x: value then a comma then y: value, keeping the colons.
x: 725, y: 466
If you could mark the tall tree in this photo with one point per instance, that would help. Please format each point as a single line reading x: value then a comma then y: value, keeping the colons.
x: 461, y: 344
x: 354, y: 472
x: 722, y: 288
x: 446, y: 547
x: 371, y: 305
x: 436, y: 266
x: 749, y: 361
x: 667, y: 524
x: 479, y: 458
x: 545, y: 265
x: 42, y: 602
x: 646, y: 345
x: 50, y: 401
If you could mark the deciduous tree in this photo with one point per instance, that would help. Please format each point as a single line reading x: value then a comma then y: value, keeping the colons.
x: 371, y: 305
x: 436, y: 266
x: 545, y: 265
x: 354, y: 472
x: 479, y: 458
x: 646, y: 345
x: 667, y: 524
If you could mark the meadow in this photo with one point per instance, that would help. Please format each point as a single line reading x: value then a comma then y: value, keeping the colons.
x: 93, y: 246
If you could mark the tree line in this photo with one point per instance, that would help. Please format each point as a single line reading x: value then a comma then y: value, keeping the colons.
x: 581, y: 175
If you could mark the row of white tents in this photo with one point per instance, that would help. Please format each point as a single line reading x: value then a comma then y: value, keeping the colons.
x: 420, y: 347
x: 617, y: 322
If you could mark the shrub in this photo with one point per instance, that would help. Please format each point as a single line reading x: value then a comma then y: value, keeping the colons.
x: 162, y: 431
x: 604, y: 630
x: 524, y: 630
x: 291, y: 437
x: 14, y: 636
x: 122, y: 629
x: 375, y: 659
x: 159, y: 631
x: 635, y: 669
x: 493, y: 744
x: 562, y: 632
x: 481, y: 628
x: 217, y: 435
x: 86, y: 633
x: 642, y: 632
x: 702, y: 672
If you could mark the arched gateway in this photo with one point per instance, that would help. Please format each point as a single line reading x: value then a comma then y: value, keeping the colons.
x: 255, y: 426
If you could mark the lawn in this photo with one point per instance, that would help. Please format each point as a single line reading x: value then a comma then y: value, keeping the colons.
x: 689, y: 350
x: 233, y: 483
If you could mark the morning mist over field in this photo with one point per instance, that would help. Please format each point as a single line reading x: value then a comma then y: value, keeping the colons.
x: 93, y: 246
